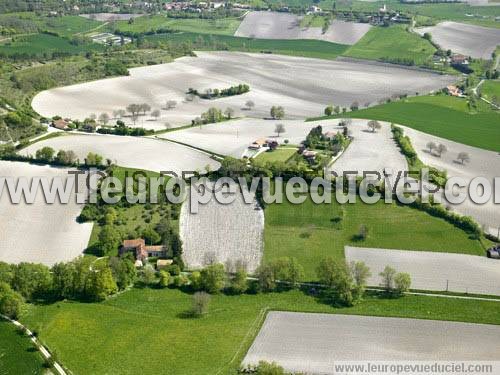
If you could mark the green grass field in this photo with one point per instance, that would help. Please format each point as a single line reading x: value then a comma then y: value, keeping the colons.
x: 391, y: 44
x: 17, y: 354
x: 224, y: 26
x: 443, y: 116
x: 44, y: 44
x: 146, y: 331
x: 280, y: 154
x: 311, y: 231
x: 26, y: 22
x: 207, y: 42
x: 312, y: 20
x: 490, y: 89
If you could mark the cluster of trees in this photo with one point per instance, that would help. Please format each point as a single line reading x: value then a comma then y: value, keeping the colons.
x: 317, y: 140
x: 404, y: 143
x: 67, y: 158
x: 121, y: 129
x: 436, y: 149
x: 331, y: 109
x: 220, y: 93
x: 113, y: 229
x: 277, y: 112
x: 84, y: 279
x: 213, y: 115
x: 20, y: 126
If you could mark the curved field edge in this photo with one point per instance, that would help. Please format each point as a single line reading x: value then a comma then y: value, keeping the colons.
x: 293, y: 47
x: 17, y: 353
x: 213, y: 344
x: 478, y: 130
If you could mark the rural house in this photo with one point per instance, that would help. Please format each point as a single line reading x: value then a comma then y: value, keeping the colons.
x: 140, y: 250
x: 60, y: 124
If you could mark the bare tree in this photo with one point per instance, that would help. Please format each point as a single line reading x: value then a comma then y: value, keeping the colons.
x: 171, y: 104
x: 431, y: 146
x: 249, y: 104
x: 374, y: 125
x: 229, y: 112
x: 167, y: 125
x: 441, y: 149
x: 280, y: 128
x: 116, y: 113
x: 104, y: 118
x: 92, y: 116
x: 144, y: 107
x: 134, y: 117
x: 134, y: 109
x: 463, y: 157
x: 156, y: 113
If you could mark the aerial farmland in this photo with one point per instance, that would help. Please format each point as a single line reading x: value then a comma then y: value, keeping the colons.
x: 271, y: 266
x: 272, y: 81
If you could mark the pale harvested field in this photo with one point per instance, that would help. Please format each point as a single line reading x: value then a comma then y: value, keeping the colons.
x: 432, y: 270
x: 105, y: 17
x: 470, y: 40
x: 275, y: 25
x: 233, y: 137
x: 40, y: 232
x: 303, y: 86
x: 132, y: 152
x: 370, y: 151
x: 221, y: 233
x: 482, y: 163
x: 313, y: 343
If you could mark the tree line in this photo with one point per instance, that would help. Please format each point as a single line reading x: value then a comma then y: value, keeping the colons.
x: 220, y: 93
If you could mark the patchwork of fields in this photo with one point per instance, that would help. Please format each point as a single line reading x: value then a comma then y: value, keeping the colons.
x: 470, y: 40
x: 272, y: 80
x: 274, y: 25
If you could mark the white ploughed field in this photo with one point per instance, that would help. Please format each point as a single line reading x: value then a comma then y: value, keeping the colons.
x: 433, y: 271
x: 40, y: 232
x: 276, y: 25
x: 470, y: 40
x: 303, y: 86
x: 314, y: 343
x: 132, y: 152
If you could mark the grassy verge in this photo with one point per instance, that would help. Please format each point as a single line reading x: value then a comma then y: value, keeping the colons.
x: 207, y: 42
x: 311, y: 232
x: 151, y: 323
x: 17, y: 353
x: 490, y: 90
x: 442, y: 116
x: 279, y: 155
x: 392, y: 44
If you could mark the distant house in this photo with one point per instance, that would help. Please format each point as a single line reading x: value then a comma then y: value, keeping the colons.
x: 459, y: 60
x: 453, y: 90
x: 60, y: 124
x: 141, y: 251
x: 259, y: 143
x: 330, y: 134
x: 309, y: 155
